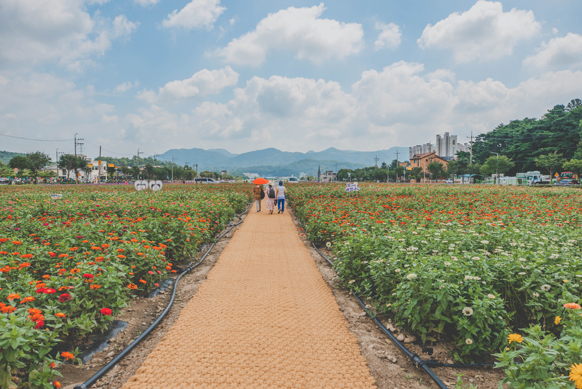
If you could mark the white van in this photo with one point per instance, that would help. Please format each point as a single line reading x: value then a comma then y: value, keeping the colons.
x: 293, y: 180
x: 204, y: 180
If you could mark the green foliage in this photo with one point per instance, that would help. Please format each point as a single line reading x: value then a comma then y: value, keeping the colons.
x: 20, y: 162
x: 574, y: 165
x: 522, y: 141
x: 550, y: 162
x: 544, y: 356
x: 496, y: 164
x: 436, y: 170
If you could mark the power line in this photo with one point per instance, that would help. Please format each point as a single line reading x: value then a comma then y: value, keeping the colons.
x: 37, y: 140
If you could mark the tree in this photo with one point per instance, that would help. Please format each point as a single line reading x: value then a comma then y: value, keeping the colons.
x: 496, y: 164
x: 67, y: 163
x: 417, y: 173
x: 436, y: 169
x: 37, y: 161
x: 20, y: 162
x: 149, y: 171
x: 110, y: 171
x: 80, y: 164
x: 550, y: 162
x: 574, y: 165
x: 135, y: 172
x: 384, y: 165
x: 452, y: 169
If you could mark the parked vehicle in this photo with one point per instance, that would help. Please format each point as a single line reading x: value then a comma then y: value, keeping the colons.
x: 293, y: 180
x: 205, y: 180
x: 449, y: 181
x: 567, y: 182
x: 540, y: 182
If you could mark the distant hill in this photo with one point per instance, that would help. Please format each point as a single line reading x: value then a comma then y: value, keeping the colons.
x: 6, y: 156
x: 218, y: 159
x: 308, y: 166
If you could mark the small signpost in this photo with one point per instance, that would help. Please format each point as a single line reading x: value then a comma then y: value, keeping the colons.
x: 352, y: 187
x: 56, y: 196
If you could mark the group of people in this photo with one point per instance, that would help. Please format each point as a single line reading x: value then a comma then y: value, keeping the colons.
x: 273, y: 196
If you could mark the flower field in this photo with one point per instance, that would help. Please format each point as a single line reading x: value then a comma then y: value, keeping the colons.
x: 467, y: 265
x: 67, y: 267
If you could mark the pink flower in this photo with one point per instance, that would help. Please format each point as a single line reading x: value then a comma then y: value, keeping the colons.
x: 150, y: 272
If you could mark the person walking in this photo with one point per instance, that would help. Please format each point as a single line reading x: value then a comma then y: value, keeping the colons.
x: 281, y: 190
x: 271, y: 197
x: 259, y: 194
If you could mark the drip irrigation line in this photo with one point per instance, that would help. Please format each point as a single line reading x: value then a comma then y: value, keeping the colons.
x: 122, y: 354
x: 415, y: 358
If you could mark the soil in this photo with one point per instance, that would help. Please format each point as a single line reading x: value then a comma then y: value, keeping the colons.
x: 389, y: 366
x: 139, y: 315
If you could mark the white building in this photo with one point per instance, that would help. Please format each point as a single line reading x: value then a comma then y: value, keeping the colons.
x: 445, y: 146
x: 94, y: 173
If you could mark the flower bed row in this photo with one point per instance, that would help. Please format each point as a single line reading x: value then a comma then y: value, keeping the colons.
x: 468, y: 265
x: 67, y: 267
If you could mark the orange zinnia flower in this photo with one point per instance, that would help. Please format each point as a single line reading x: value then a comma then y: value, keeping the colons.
x: 572, y: 306
x: 13, y: 296
x: 27, y: 299
x: 67, y: 355
x: 60, y: 314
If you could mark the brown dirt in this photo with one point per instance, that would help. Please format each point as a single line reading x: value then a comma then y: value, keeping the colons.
x: 389, y: 366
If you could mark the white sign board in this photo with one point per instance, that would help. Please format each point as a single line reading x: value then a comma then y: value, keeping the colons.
x: 352, y: 187
x: 156, y: 185
x: 140, y: 185
x: 56, y: 196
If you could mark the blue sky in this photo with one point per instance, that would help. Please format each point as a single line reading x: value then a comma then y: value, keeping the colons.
x: 296, y: 75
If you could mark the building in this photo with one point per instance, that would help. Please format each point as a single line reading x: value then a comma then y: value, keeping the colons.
x: 326, y: 176
x: 445, y: 146
x: 93, y: 173
x: 424, y: 159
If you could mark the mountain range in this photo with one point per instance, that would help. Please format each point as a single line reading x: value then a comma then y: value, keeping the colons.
x: 272, y: 161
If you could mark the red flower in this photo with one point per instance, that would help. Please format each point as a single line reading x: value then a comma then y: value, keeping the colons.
x: 50, y: 291
x: 88, y: 276
x: 64, y: 298
x: 106, y: 312
x: 39, y: 324
x: 41, y: 290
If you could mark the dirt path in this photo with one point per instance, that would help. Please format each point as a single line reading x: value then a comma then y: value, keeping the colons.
x: 263, y: 318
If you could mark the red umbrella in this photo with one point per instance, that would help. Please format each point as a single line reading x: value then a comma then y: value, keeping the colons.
x: 260, y: 181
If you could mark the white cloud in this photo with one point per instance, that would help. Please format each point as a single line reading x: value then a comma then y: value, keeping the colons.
x: 146, y: 3
x: 202, y: 83
x: 32, y: 31
x: 124, y: 87
x: 561, y: 52
x: 196, y: 14
x: 483, y: 33
x: 299, y: 30
x: 389, y: 36
x: 110, y: 119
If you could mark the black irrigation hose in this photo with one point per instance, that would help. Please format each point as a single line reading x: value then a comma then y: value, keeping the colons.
x: 121, y: 355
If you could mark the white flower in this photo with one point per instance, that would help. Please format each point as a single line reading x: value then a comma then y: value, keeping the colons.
x: 522, y: 259
x: 485, y: 241
x: 467, y: 311
x: 536, y: 294
x: 447, y: 264
x: 411, y: 276
x: 491, y: 296
x: 328, y: 244
x: 546, y: 287
x: 397, y: 270
x: 475, y: 258
x: 554, y: 256
x: 521, y: 273
x: 468, y: 277
x: 469, y: 341
x: 351, y: 281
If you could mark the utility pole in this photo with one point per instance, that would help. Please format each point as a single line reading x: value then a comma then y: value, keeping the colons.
x: 471, y: 157
x: 138, y: 154
x: 77, y: 143
x: 172, y: 169
x: 397, y: 163
x: 376, y: 159
x: 99, y: 166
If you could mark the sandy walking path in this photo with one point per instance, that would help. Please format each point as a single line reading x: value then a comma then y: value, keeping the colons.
x: 264, y: 318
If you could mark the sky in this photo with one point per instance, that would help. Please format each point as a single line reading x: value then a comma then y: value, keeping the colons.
x: 295, y: 75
